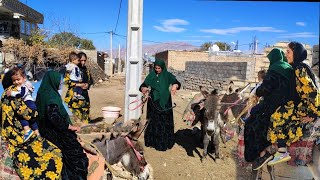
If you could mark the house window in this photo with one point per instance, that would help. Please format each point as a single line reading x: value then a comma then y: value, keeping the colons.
x: 27, y: 28
x: 33, y: 26
x: 22, y: 27
x: 4, y: 27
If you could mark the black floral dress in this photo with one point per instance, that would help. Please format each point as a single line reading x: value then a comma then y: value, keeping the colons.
x: 286, y: 124
x: 36, y: 158
x: 79, y: 108
x: 275, y: 91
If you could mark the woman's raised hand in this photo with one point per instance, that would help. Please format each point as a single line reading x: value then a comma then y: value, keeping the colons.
x: 144, y: 90
x: 85, y: 86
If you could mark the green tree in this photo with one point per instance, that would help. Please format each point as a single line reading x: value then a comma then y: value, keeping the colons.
x: 86, y: 44
x: 223, y: 46
x: 64, y: 39
x: 205, y: 46
x: 37, y: 36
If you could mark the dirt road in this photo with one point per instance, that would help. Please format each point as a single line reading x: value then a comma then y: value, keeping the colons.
x: 183, y: 160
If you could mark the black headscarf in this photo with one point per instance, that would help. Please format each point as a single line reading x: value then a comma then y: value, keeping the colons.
x: 299, y: 55
x: 7, y: 81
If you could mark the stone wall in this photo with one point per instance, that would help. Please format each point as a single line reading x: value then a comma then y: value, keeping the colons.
x: 257, y: 62
x: 91, y: 54
x: 215, y: 75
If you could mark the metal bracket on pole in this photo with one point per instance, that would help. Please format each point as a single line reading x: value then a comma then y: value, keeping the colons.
x: 134, y: 61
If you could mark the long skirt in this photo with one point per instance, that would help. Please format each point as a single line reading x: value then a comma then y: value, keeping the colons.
x: 159, y: 133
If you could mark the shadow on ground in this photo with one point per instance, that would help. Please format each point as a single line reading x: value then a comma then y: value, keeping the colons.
x: 190, y: 140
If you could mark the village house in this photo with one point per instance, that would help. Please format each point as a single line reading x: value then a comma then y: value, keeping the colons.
x: 17, y: 19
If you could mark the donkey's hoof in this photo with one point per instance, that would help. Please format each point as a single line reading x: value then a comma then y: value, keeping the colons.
x: 203, y: 158
x: 218, y: 160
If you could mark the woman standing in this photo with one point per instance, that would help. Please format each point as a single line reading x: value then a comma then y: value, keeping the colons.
x: 78, y: 107
x: 88, y: 81
x: 55, y: 125
x: 37, y: 158
x: 160, y: 130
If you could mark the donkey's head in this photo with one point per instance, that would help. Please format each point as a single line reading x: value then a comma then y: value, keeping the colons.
x: 125, y: 148
x: 211, y: 114
x: 233, y: 103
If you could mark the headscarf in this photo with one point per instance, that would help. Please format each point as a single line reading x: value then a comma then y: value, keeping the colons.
x: 7, y: 81
x: 299, y: 55
x: 160, y: 83
x: 48, y: 93
x: 278, y: 63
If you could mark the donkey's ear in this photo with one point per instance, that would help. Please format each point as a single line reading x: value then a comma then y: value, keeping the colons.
x: 204, y: 91
x: 230, y: 88
x: 113, y: 135
x: 138, y: 128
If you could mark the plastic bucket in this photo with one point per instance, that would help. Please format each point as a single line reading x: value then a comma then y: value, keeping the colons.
x: 110, y: 113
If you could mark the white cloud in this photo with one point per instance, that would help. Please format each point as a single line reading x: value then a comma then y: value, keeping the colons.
x: 169, y: 25
x: 200, y: 36
x: 235, y: 30
x: 299, y: 35
x: 300, y: 23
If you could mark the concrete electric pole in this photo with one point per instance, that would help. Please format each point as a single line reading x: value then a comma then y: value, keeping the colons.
x: 133, y: 58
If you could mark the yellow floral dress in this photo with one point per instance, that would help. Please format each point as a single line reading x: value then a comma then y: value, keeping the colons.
x: 79, y: 108
x: 35, y: 159
x: 286, y: 120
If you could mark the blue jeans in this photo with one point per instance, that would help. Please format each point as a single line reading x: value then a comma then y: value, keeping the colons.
x: 77, y: 89
x: 31, y: 123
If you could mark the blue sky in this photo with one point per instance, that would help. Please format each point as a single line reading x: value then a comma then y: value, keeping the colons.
x: 191, y: 21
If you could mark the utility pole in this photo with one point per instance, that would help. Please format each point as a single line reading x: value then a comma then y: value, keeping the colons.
x: 133, y: 58
x: 119, y: 61
x: 108, y: 65
x: 111, y: 33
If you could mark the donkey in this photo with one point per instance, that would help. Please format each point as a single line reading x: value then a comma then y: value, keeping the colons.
x: 211, y: 123
x: 125, y: 148
x: 233, y: 105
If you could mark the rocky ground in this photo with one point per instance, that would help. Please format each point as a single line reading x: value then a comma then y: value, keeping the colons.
x: 183, y: 161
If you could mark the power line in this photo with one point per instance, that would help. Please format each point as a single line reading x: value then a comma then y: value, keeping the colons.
x: 115, y: 29
x: 93, y: 33
x: 157, y: 42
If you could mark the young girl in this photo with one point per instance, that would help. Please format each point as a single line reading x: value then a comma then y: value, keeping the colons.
x: 24, y: 90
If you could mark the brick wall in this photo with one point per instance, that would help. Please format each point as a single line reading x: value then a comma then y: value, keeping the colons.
x: 177, y: 59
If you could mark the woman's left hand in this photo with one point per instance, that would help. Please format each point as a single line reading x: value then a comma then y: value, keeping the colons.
x: 85, y: 86
x: 306, y: 119
x: 174, y: 89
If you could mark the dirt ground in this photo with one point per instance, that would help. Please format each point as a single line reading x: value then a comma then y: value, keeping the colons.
x: 183, y: 161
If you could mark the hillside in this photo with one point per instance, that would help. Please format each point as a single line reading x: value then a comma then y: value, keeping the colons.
x: 152, y: 49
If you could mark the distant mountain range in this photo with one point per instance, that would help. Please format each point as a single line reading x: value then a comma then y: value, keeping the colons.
x: 152, y: 49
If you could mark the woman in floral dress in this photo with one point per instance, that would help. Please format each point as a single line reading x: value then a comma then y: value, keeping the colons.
x: 36, y: 158
x: 79, y: 107
x: 289, y: 120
